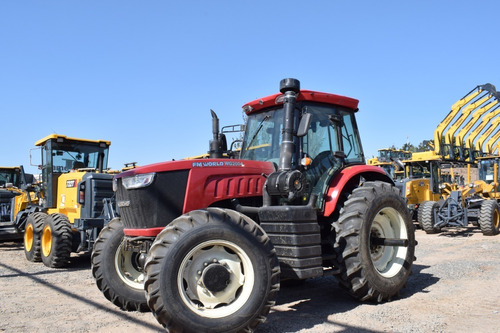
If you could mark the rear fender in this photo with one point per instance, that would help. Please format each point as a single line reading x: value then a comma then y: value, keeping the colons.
x: 348, y: 179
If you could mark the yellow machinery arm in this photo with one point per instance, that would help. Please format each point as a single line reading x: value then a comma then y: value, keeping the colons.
x: 469, y: 140
x: 496, y: 150
x: 490, y: 145
x: 449, y: 135
x: 495, y: 123
x: 460, y: 137
x: 455, y: 109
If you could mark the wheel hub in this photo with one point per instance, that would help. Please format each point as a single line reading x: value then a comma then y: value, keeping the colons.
x: 130, y: 266
x: 46, y: 241
x: 28, y: 237
x: 215, y: 277
x: 387, y: 260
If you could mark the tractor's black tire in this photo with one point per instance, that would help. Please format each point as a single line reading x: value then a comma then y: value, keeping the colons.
x: 56, y: 241
x: 116, y: 271
x: 489, y: 218
x: 32, y: 233
x: 367, y: 271
x: 426, y: 217
x: 196, y: 247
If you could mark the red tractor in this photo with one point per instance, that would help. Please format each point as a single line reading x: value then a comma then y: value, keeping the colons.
x: 204, y: 243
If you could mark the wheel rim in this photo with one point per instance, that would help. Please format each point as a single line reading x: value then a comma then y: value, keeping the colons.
x: 46, y: 241
x: 28, y: 237
x: 199, y: 276
x: 388, y: 260
x: 127, y: 265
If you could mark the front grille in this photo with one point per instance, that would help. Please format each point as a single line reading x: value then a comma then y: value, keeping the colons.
x: 98, y: 186
x: 155, y: 205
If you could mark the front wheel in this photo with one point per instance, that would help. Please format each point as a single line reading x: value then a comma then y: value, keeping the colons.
x: 32, y: 232
x: 56, y: 241
x: 117, y: 271
x: 427, y: 217
x: 212, y: 270
x: 489, y: 217
x: 371, y: 270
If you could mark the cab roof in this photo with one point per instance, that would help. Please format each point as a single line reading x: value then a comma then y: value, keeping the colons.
x: 304, y: 95
x: 41, y: 142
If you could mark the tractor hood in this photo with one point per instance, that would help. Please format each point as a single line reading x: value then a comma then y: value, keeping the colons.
x: 221, y: 165
x: 152, y: 196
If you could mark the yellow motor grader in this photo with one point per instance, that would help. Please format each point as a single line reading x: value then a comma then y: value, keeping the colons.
x: 74, y: 200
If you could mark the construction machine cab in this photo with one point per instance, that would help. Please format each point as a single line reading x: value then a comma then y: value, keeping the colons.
x: 489, y: 173
x: 62, y: 154
x: 10, y: 177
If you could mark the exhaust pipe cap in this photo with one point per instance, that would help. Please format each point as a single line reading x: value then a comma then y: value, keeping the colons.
x: 290, y: 85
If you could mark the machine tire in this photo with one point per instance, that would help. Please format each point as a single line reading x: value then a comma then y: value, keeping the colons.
x: 426, y: 217
x: 210, y: 246
x: 56, y: 241
x: 374, y: 272
x: 489, y: 218
x: 115, y: 270
x: 32, y: 233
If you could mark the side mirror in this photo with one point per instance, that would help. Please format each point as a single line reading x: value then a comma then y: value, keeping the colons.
x: 304, y: 124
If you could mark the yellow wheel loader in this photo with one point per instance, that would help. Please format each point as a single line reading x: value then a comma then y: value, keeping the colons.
x: 75, y: 200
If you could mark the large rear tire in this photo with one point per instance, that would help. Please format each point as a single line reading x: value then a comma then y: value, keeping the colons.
x: 117, y: 271
x: 56, y: 241
x: 489, y: 217
x: 212, y: 270
x: 32, y: 233
x: 371, y: 272
x: 426, y: 217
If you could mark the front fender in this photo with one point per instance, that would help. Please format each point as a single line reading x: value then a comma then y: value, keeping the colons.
x: 352, y: 176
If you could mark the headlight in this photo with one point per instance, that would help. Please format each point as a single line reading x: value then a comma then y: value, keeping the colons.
x: 138, y: 181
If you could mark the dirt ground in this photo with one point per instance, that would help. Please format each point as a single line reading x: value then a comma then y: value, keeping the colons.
x: 454, y: 288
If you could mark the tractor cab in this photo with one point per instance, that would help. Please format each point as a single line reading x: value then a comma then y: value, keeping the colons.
x: 325, y: 136
x: 62, y: 155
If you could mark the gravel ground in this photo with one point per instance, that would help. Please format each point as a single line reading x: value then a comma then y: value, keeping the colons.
x: 453, y: 288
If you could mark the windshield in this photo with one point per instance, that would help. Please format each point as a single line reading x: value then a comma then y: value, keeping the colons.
x: 487, y: 170
x: 417, y: 170
x: 263, y: 136
x: 9, y: 176
x: 67, y: 156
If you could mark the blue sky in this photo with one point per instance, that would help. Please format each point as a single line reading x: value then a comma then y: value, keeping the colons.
x: 145, y: 75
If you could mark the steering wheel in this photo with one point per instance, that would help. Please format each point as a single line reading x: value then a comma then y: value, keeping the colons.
x: 322, y: 157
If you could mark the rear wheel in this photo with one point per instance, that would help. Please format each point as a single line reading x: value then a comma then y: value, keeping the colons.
x: 368, y: 270
x: 426, y: 216
x: 56, y: 241
x: 32, y: 232
x: 212, y: 270
x: 489, y: 218
x: 117, y: 272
